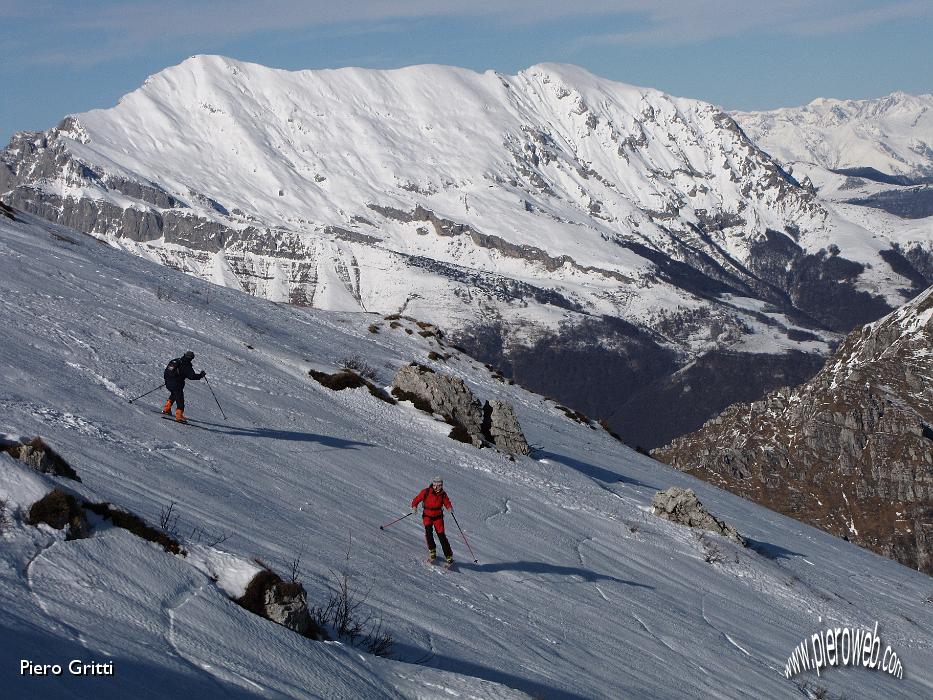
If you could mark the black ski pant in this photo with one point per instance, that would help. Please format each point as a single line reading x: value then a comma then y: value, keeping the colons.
x: 429, y: 537
x: 177, y: 397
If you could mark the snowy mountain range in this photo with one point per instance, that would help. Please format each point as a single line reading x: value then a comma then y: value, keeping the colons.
x: 573, y: 231
x: 892, y: 134
x: 578, y: 591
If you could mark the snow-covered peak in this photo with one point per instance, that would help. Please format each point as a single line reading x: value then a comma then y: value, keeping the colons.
x: 893, y: 134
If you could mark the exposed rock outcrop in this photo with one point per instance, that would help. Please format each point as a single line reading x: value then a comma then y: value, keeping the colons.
x: 284, y: 603
x: 850, y: 451
x: 287, y: 605
x: 442, y: 394
x: 682, y: 506
x: 38, y: 455
x: 501, y: 427
x: 473, y: 422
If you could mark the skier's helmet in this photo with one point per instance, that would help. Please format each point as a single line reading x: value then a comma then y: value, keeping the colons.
x: 188, y: 355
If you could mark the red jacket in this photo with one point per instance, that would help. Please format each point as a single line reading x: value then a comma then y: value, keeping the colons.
x: 433, y: 503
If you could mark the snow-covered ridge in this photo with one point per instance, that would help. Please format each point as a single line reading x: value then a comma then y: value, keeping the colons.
x: 502, y: 208
x: 893, y: 134
x: 578, y: 592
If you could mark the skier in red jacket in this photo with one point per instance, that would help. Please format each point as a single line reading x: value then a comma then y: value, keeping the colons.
x: 435, y: 500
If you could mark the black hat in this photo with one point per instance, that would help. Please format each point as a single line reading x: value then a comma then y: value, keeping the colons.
x: 188, y: 355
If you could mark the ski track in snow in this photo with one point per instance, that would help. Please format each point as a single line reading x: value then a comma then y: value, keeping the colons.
x: 172, y: 609
x: 75, y: 633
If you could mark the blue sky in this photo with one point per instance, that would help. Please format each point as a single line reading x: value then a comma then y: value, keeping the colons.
x: 62, y: 57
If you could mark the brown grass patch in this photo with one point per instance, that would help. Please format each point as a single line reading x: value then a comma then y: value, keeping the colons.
x: 348, y: 379
x: 605, y: 426
x: 573, y: 415
x: 59, y: 510
x: 133, y: 523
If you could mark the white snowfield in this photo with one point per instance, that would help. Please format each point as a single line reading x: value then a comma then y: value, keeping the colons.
x: 578, y: 592
x: 893, y: 134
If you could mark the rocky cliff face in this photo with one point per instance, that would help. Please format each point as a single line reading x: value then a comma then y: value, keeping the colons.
x: 510, y: 210
x: 850, y: 451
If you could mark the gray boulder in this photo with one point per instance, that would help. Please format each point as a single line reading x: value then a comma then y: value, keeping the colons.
x: 443, y: 394
x: 287, y: 605
x: 682, y: 506
x: 501, y: 427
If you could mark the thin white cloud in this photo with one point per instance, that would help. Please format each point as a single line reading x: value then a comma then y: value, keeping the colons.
x: 671, y: 22
x: 114, y: 30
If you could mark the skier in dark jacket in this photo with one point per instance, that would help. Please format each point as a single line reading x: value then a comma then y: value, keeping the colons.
x: 176, y: 372
x: 435, y: 500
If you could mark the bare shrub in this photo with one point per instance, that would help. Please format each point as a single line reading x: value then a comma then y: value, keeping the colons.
x: 358, y: 365
x: 168, y: 520
x: 295, y: 569
x: 373, y: 328
x: 346, y: 615
x: 3, y: 515
x: 198, y: 534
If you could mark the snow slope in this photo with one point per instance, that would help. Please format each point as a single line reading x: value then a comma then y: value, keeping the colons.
x: 578, y: 591
x: 893, y: 134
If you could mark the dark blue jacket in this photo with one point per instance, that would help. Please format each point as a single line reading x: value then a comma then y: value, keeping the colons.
x: 177, y: 371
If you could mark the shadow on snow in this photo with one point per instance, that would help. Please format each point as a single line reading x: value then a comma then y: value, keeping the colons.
x: 536, y: 567
x: 275, y: 434
x: 771, y: 551
x: 591, y: 470
x: 412, y: 654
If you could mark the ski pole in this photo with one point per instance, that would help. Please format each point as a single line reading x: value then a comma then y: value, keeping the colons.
x: 475, y: 560
x: 147, y: 393
x: 383, y: 527
x: 215, y: 397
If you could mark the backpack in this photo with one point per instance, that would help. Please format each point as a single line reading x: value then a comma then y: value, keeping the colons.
x: 171, y: 370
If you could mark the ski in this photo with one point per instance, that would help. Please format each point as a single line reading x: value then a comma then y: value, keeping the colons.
x: 180, y: 422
